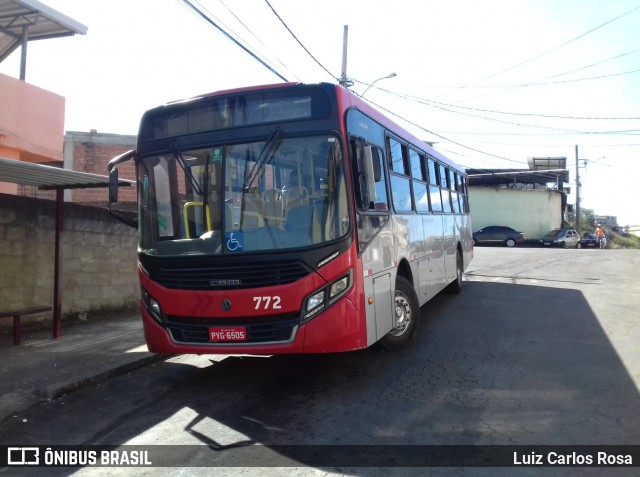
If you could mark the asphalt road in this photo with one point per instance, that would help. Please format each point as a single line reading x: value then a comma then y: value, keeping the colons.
x: 540, y: 348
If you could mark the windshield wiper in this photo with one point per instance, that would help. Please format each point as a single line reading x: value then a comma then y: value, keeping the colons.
x: 268, y: 150
x: 187, y: 170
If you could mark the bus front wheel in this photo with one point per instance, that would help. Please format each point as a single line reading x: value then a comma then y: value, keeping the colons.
x: 407, y: 314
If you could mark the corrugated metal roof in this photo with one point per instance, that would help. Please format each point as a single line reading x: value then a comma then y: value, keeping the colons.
x: 49, y: 177
x: 494, y: 177
x: 41, y: 21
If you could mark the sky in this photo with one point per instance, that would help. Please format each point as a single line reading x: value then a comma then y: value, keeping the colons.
x: 491, y: 83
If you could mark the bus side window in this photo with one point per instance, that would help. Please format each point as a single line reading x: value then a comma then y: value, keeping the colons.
x: 434, y: 189
x: 418, y: 173
x: 399, y: 173
x: 369, y: 168
x: 380, y: 201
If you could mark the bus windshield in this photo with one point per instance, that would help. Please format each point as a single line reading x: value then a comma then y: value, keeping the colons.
x: 277, y: 193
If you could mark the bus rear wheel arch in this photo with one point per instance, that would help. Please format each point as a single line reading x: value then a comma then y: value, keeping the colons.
x: 456, y: 285
x: 407, y: 316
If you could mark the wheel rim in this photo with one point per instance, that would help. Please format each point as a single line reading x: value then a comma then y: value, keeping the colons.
x: 510, y: 243
x: 403, y: 315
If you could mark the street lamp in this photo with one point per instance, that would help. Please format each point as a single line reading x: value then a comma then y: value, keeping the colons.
x: 390, y: 75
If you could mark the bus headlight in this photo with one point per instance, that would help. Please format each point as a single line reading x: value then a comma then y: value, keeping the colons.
x: 152, y: 306
x: 325, y: 296
x: 315, y: 303
x: 338, y: 287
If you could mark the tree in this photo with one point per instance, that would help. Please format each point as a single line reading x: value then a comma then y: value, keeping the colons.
x: 587, y: 220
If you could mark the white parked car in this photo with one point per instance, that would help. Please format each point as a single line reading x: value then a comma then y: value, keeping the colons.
x: 561, y: 238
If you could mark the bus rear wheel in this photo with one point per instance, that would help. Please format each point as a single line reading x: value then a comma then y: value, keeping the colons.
x: 456, y: 285
x: 407, y: 314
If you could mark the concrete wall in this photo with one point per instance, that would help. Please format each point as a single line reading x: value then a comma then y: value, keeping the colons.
x: 31, y: 125
x: 31, y: 122
x: 98, y: 255
x: 533, y: 212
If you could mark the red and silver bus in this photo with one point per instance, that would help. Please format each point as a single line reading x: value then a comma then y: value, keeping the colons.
x: 290, y: 218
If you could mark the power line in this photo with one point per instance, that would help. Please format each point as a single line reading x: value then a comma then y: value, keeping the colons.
x: 563, y: 44
x: 431, y: 102
x: 437, y: 105
x: 255, y: 37
x: 552, y: 49
x: 299, y: 42
x: 214, y: 24
x: 589, y: 66
x: 443, y: 137
x: 514, y: 144
x: 511, y: 123
x: 542, y: 80
x: 538, y: 115
x: 523, y: 85
x: 576, y: 80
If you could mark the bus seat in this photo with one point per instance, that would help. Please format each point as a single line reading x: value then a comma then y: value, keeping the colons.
x: 302, y: 225
x: 296, y: 197
x: 273, y: 208
x: 251, y: 214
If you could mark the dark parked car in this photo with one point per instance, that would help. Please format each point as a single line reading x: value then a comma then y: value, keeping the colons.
x: 589, y: 241
x: 497, y: 234
x: 561, y: 238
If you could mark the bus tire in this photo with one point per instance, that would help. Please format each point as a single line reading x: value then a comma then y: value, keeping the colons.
x: 456, y: 286
x: 407, y: 313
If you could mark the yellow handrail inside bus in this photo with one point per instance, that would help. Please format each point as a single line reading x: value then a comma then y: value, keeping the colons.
x: 186, y: 219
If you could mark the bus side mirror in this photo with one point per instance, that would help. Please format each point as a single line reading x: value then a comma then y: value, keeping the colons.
x: 370, y: 177
x: 113, y: 174
x: 113, y: 186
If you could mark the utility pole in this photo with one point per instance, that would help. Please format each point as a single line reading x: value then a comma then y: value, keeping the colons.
x: 343, y: 78
x: 577, y: 224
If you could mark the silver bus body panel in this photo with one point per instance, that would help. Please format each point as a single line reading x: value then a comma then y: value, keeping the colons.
x: 429, y: 243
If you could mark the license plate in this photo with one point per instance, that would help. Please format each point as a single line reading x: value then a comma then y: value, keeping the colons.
x: 547, y: 243
x: 228, y: 333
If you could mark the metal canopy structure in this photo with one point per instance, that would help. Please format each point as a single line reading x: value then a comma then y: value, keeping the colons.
x: 27, y: 20
x: 498, y: 177
x: 48, y: 178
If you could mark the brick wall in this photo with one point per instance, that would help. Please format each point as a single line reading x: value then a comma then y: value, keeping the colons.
x: 91, y: 152
x: 98, y: 258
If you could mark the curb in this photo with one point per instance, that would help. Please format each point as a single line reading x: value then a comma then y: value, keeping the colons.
x: 40, y: 396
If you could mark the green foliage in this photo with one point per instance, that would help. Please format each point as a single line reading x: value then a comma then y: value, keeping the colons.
x: 587, y: 221
x: 623, y: 240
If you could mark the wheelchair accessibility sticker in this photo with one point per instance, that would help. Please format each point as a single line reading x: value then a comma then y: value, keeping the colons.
x: 235, y: 241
